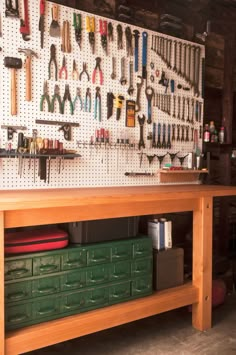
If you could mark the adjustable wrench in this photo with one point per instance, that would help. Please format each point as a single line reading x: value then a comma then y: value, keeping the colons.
x: 131, y: 87
x: 24, y: 23
x: 123, y: 80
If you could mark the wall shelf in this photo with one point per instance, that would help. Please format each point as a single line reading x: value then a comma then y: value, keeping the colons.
x: 174, y: 176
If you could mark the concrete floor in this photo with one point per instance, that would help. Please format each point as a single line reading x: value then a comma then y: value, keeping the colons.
x: 167, y: 333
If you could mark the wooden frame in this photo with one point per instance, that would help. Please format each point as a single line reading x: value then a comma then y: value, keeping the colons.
x: 22, y: 208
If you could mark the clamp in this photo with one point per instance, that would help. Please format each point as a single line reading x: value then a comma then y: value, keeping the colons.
x: 67, y: 97
x: 97, y: 68
x: 63, y: 69
x: 44, y: 97
x: 57, y: 97
x: 52, y: 61
x: 97, y: 105
x: 78, y: 97
x: 84, y: 71
x: 87, y: 103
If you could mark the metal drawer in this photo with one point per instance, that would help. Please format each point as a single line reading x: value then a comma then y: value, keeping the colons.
x: 99, y: 255
x: 73, y: 259
x: 142, y: 286
x: 45, y: 286
x: 17, y: 315
x: 97, y: 275
x: 141, y: 267
x: 97, y: 298
x: 18, y: 291
x: 73, y: 280
x: 47, y: 264
x: 73, y: 302
x: 142, y: 248
x: 18, y: 268
x: 120, y: 292
x: 47, y: 307
x: 122, y: 251
x: 120, y: 271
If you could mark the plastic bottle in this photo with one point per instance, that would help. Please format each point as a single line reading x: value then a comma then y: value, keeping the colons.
x: 222, y: 135
x: 206, y: 134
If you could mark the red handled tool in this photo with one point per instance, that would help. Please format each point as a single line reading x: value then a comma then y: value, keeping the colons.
x: 103, y: 33
x: 41, y: 21
x: 24, y: 23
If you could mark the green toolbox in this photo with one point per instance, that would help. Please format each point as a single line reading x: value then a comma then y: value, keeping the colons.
x: 53, y: 284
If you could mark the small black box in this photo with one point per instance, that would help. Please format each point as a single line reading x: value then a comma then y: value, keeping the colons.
x: 103, y: 230
x: 168, y: 268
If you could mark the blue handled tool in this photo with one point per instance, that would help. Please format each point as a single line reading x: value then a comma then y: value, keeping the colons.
x: 144, y: 55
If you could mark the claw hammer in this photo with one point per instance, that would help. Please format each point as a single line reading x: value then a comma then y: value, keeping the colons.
x: 29, y: 53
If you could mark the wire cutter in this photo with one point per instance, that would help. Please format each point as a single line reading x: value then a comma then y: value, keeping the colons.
x: 97, y: 105
x: 52, y: 61
x: 78, y: 97
x: 78, y: 29
x: 63, y: 69
x: 57, y: 97
x: 67, y: 97
x: 97, y: 68
x: 87, y: 103
x: 103, y: 33
x: 84, y: 71
x: 75, y: 74
x: 44, y: 97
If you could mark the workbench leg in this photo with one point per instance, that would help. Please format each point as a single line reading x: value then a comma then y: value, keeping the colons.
x: 202, y: 263
x: 2, y: 321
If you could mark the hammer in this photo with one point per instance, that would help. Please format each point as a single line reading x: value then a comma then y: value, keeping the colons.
x: 13, y: 64
x: 29, y: 53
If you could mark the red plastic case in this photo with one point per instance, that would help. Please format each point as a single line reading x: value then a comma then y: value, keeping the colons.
x: 29, y: 241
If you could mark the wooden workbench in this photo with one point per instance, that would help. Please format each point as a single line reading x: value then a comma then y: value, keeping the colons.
x: 35, y: 207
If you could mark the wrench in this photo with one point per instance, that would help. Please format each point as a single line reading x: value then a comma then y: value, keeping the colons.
x: 139, y: 87
x: 136, y: 49
x: 113, y: 74
x: 183, y: 110
x: 149, y: 95
x: 123, y: 80
x: 175, y: 57
x: 131, y: 87
x: 141, y: 121
x: 144, y: 55
x: 197, y: 69
x: 24, y: 23
x: 179, y: 72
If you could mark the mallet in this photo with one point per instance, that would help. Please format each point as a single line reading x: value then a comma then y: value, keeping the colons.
x: 13, y: 64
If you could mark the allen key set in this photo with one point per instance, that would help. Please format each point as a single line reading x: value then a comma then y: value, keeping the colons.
x: 119, y: 97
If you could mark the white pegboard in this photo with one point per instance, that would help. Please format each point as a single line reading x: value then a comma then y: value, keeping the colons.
x: 98, y: 165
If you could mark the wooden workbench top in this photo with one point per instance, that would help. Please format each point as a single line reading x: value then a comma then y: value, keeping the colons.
x: 26, y: 199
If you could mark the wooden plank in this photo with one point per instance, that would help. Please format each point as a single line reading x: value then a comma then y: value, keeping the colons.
x: 33, y: 217
x: 63, y: 329
x: 202, y: 263
x: 2, y: 319
x: 214, y: 40
x: 214, y: 77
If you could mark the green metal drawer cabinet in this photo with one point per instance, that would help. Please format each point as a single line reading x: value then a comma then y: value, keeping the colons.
x: 53, y: 284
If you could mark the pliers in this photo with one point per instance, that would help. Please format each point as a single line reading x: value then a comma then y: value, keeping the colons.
x: 63, y: 69
x: 90, y: 28
x: 75, y: 74
x: 84, y: 71
x: 52, y: 61
x: 44, y: 97
x: 65, y: 98
x: 103, y: 33
x: 87, y: 103
x: 78, y: 29
x: 57, y: 97
x: 78, y: 97
x: 97, y: 105
x: 97, y: 68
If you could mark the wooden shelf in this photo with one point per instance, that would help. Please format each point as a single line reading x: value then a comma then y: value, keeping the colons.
x: 174, y: 176
x: 36, y: 336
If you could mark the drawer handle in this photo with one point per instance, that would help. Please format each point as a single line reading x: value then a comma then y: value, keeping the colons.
x: 15, y: 296
x: 116, y: 295
x: 92, y: 300
x: 73, y: 284
x: 74, y: 263
x: 98, y: 259
x: 98, y: 280
x: 47, y: 268
x: 120, y: 255
x: 73, y: 306
x: 121, y: 274
x: 47, y: 311
x: 47, y: 290
x: 18, y: 318
x: 17, y: 272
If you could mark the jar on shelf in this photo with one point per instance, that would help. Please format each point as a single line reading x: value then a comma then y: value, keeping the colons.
x: 206, y: 134
x: 222, y: 135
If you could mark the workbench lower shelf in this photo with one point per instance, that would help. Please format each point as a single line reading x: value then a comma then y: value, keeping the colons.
x: 36, y: 336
